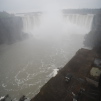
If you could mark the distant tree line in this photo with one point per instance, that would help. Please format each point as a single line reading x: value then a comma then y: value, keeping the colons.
x: 10, y: 28
x: 81, y: 11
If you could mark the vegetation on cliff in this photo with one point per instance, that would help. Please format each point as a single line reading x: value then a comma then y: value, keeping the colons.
x: 10, y: 28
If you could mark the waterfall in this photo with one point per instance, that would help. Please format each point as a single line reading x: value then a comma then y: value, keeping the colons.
x: 80, y: 20
x: 30, y: 22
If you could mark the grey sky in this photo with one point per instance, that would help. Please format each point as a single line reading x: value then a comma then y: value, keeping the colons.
x: 37, y: 5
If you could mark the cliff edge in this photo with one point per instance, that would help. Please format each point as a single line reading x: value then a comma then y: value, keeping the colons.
x: 79, y: 67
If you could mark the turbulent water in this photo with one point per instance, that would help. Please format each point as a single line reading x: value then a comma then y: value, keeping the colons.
x: 29, y: 64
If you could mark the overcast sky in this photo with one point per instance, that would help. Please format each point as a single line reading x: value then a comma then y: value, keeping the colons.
x: 37, y: 5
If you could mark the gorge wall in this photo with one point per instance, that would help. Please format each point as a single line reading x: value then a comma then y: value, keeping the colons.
x: 93, y: 38
x: 16, y: 27
x: 10, y: 28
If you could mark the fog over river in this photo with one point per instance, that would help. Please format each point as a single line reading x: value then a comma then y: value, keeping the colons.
x: 54, y: 39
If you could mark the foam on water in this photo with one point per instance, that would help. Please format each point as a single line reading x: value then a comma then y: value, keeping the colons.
x: 2, y: 97
x: 55, y: 71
